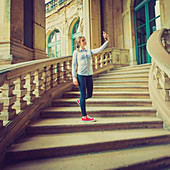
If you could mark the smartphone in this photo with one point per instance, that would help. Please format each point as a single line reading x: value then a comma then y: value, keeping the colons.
x: 103, y: 35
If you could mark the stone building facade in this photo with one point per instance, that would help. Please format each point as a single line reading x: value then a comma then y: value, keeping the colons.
x: 22, y: 31
x: 62, y: 19
x: 129, y: 24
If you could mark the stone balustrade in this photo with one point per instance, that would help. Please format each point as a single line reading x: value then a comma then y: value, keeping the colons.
x: 52, y: 4
x: 22, y: 84
x: 159, y: 79
x: 25, y: 82
x: 162, y: 81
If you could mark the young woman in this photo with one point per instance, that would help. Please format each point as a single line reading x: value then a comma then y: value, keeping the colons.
x: 84, y: 78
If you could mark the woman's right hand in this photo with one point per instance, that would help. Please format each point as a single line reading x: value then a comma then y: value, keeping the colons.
x: 75, y: 81
x: 106, y: 36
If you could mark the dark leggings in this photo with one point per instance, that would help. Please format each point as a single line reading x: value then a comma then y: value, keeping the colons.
x: 85, y: 85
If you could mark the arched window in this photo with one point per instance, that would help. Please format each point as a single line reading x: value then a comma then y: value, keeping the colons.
x: 147, y: 20
x: 54, y: 44
x: 75, y: 33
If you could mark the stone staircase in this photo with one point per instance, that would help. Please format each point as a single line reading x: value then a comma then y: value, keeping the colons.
x: 127, y: 134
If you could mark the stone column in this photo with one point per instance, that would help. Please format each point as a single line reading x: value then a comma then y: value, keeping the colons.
x: 5, y: 32
x: 13, y: 33
x: 165, y: 14
x: 95, y: 24
x: 129, y: 34
x: 39, y: 30
x: 107, y: 20
x: 86, y: 19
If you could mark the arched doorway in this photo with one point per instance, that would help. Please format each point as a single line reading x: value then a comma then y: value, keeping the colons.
x: 75, y: 33
x: 147, y: 20
x: 54, y: 44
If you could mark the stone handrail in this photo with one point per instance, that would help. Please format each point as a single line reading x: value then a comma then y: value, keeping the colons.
x: 159, y: 77
x: 21, y: 84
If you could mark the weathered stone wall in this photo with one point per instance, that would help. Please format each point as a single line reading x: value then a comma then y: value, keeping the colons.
x: 107, y: 25
x: 12, y: 48
x: 95, y: 24
x: 39, y: 29
x: 5, y: 31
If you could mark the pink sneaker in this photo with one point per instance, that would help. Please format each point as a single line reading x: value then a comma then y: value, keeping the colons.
x: 78, y: 102
x: 88, y: 119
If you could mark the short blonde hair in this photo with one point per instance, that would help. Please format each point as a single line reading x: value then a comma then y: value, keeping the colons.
x: 78, y: 41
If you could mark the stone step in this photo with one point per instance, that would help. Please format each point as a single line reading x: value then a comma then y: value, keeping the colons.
x: 133, y: 68
x: 132, y: 158
x: 141, y: 77
x: 102, y: 102
x: 120, y: 82
x: 103, y: 87
x: 110, y: 94
x: 127, y: 73
x: 58, y: 145
x: 70, y: 125
x: 64, y: 112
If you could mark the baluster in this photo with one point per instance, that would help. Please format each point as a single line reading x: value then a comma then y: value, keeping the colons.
x: 39, y: 83
x: 164, y: 82
x: 45, y: 75
x: 30, y: 85
x: 51, y: 75
x: 106, y: 58
x: 110, y: 58
x: 54, y: 74
x: 70, y: 68
x: 48, y: 80
x: 65, y: 71
x: 62, y: 72
x: 157, y: 76
x: 48, y: 7
x: 51, y: 5
x: 43, y: 80
x: 98, y: 61
x: 154, y: 70
x: 58, y: 73
x: 102, y: 60
x: 93, y: 62
x: 8, y: 99
x: 20, y: 92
